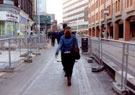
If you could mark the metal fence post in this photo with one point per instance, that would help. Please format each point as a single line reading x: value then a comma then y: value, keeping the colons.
x: 27, y: 43
x: 99, y: 49
x: 30, y: 46
x: 20, y: 42
x: 126, y: 68
x: 122, y: 72
x: 90, y: 46
x: 100, y: 40
x: 38, y: 43
x: 9, y: 51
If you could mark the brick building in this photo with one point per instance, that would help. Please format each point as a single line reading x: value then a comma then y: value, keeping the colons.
x: 34, y: 6
x: 118, y: 23
x: 75, y: 14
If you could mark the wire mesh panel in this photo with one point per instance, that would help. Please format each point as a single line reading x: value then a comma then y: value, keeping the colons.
x: 95, y: 48
x: 12, y: 50
x: 112, y: 54
x: 4, y: 54
x: 129, y: 70
x: 120, y: 56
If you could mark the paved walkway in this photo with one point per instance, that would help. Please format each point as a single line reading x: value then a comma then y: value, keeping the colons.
x: 46, y: 77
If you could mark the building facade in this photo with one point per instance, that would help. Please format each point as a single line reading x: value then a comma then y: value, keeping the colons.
x: 34, y: 5
x: 15, y: 16
x: 75, y: 14
x: 114, y: 17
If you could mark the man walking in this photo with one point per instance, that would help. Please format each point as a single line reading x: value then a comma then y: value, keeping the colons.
x: 61, y: 34
x: 53, y: 36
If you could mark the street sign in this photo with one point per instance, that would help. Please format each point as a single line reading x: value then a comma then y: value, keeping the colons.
x: 9, y: 16
x: 106, y: 11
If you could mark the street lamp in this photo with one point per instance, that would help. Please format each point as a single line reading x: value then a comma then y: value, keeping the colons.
x: 37, y: 18
x: 106, y: 12
x: 77, y: 22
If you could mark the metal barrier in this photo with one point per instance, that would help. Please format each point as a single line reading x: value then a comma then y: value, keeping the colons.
x: 14, y: 50
x: 120, y: 56
x: 95, y: 49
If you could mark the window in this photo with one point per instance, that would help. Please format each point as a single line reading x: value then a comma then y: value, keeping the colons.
x: 129, y: 3
x: 116, y: 7
x: 2, y: 28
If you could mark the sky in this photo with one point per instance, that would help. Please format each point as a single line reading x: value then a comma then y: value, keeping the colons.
x: 42, y: 6
x: 55, y: 7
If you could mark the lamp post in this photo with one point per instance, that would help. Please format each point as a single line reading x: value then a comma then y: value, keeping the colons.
x: 77, y: 22
x: 37, y: 18
x: 106, y: 12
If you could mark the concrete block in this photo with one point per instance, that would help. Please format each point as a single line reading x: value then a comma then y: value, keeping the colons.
x: 117, y: 88
x: 90, y: 60
x: 97, y: 69
x: 28, y: 60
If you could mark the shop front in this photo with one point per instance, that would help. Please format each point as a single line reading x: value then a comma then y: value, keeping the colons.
x: 25, y: 23
x: 9, y: 23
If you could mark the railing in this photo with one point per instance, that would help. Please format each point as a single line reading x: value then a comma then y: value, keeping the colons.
x: 120, y: 56
x: 13, y: 50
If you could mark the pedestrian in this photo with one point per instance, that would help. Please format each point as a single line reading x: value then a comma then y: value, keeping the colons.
x: 21, y: 38
x: 57, y: 36
x: 53, y: 36
x: 20, y: 34
x: 61, y: 34
x: 68, y: 60
x: 49, y: 34
x: 104, y: 33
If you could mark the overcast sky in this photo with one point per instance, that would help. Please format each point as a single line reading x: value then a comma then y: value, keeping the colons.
x: 55, y: 7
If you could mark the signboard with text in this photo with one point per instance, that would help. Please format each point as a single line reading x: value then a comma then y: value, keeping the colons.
x: 9, y: 16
